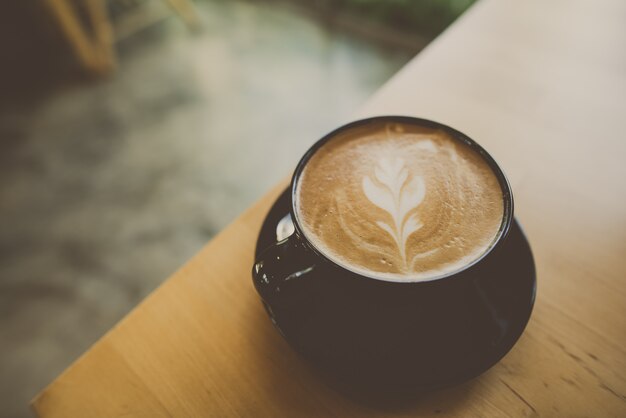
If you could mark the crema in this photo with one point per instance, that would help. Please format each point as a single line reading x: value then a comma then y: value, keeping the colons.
x: 399, y: 201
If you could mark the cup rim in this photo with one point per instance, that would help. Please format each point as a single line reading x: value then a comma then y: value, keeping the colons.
x: 505, y: 186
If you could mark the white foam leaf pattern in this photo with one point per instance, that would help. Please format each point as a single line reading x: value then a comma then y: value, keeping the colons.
x: 411, y: 225
x: 379, y: 196
x: 389, y: 229
x: 398, y: 197
x: 391, y: 173
x: 419, y: 256
x: 412, y: 195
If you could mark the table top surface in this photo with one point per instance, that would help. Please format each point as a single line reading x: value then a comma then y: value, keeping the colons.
x: 542, y: 86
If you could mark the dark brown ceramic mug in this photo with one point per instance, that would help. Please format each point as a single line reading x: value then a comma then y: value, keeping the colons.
x: 371, y: 331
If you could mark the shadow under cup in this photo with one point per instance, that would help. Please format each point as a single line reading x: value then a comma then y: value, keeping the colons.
x: 372, y: 332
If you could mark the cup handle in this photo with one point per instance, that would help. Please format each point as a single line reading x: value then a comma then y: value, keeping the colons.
x: 282, y: 272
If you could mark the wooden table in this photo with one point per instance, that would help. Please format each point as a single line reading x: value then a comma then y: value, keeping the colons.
x: 542, y: 85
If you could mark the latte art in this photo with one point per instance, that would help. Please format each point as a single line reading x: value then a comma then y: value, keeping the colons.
x: 398, y: 196
x: 399, y: 201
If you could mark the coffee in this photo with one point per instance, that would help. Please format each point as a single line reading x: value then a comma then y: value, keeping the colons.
x: 399, y: 201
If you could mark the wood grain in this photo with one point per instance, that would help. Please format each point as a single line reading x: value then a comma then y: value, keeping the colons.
x: 542, y: 86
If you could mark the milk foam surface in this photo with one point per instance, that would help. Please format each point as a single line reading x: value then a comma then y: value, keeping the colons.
x: 399, y: 202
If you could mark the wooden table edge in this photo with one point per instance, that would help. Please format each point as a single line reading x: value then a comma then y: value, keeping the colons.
x: 259, y: 205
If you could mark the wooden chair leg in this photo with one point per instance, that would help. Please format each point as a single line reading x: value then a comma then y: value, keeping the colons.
x: 96, y: 53
x: 95, y: 56
x: 103, y: 34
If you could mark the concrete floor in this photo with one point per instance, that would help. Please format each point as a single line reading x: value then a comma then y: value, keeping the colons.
x: 107, y: 188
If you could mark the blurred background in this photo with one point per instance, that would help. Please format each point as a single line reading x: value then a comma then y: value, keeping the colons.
x: 132, y: 131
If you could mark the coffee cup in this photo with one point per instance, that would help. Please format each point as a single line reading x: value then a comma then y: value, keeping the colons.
x: 398, y: 222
